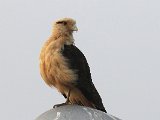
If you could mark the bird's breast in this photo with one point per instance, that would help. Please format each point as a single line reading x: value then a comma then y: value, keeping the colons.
x: 55, y: 70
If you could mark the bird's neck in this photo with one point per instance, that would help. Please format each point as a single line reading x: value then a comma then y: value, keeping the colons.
x: 65, y: 38
x: 56, y: 42
x: 70, y: 41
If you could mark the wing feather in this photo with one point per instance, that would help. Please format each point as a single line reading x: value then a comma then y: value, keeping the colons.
x: 78, y: 63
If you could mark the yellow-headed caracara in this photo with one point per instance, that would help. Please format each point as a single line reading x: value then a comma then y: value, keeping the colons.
x: 64, y: 66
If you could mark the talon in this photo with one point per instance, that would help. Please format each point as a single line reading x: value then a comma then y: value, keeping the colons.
x: 58, y: 105
x: 66, y: 103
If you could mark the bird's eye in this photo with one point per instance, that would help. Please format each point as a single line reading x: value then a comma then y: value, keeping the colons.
x: 62, y: 22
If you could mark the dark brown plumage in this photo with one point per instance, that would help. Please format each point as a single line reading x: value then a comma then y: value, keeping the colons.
x: 78, y: 62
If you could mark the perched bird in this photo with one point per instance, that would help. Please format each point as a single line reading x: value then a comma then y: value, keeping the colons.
x: 64, y: 66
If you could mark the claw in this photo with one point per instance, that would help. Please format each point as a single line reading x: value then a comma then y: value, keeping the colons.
x: 58, y: 105
x: 66, y: 103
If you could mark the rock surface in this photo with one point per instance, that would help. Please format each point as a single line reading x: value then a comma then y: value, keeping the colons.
x: 75, y: 112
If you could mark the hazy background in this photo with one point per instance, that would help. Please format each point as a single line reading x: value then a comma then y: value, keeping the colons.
x: 120, y: 38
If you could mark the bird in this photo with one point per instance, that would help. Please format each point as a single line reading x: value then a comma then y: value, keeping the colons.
x: 64, y: 67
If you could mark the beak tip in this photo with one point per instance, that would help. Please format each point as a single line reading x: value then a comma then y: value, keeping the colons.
x: 75, y: 28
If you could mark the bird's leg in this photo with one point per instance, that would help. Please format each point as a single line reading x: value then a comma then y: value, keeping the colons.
x: 66, y: 103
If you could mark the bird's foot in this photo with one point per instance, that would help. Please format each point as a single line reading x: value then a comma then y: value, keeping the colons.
x: 58, y: 105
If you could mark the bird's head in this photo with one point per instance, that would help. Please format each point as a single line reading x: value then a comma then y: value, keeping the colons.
x: 65, y: 26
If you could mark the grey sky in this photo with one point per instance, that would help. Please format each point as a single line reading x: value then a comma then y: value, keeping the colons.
x: 120, y: 38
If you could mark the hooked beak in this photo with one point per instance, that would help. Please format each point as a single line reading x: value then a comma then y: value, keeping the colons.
x: 75, y: 28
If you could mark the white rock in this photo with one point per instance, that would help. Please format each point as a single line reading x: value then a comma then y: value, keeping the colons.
x: 75, y: 112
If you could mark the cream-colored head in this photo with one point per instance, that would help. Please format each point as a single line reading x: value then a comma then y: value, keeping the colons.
x: 65, y: 26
